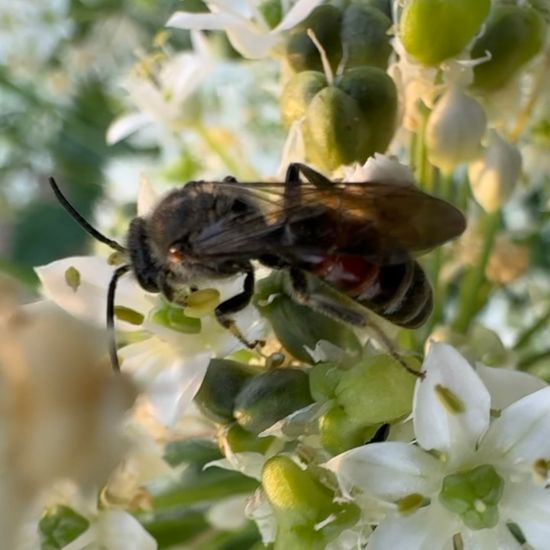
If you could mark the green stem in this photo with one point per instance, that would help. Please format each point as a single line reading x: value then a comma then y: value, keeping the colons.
x: 526, y: 336
x: 473, y: 280
x: 529, y: 360
x: 421, y: 163
x: 234, y: 165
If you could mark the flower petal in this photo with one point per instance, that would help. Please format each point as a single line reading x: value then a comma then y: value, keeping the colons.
x: 522, y: 432
x: 430, y: 528
x: 507, y: 386
x: 201, y: 21
x: 529, y: 507
x: 389, y: 470
x: 436, y: 426
x: 498, y: 538
x: 251, y: 43
x: 89, y: 300
x: 147, y: 197
x: 299, y: 11
x: 125, y: 125
x: 119, y: 530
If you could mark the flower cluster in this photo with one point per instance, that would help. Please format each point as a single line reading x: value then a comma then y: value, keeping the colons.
x: 363, y: 399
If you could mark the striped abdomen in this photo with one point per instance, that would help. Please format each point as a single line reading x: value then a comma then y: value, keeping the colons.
x: 400, y: 293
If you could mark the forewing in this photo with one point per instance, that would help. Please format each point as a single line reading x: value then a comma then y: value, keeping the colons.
x: 380, y: 221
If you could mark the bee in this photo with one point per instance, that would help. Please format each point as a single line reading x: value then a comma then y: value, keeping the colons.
x: 360, y: 238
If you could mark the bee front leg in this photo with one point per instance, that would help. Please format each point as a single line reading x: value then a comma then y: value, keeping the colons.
x: 302, y: 294
x: 235, y: 304
x: 316, y: 178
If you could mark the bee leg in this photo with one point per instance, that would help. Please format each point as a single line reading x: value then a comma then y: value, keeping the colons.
x: 235, y: 304
x: 331, y: 308
x: 316, y: 178
x: 230, y: 179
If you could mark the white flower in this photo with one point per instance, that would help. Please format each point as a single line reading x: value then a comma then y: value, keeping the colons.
x: 381, y: 169
x: 494, y: 177
x: 160, y: 90
x: 114, y: 530
x: 467, y: 476
x: 168, y: 363
x: 245, y: 24
x: 454, y: 130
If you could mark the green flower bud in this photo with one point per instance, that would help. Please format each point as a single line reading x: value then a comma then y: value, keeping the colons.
x: 224, y: 379
x: 454, y: 130
x: 298, y: 94
x: 385, y: 6
x: 302, y: 54
x: 202, y: 302
x: 365, y: 36
x: 272, y: 11
x: 323, y: 379
x: 339, y: 432
x: 269, y: 397
x: 377, y: 390
x: 241, y: 441
x: 434, y: 30
x: 297, y: 326
x: 493, y: 178
x: 294, y: 493
x: 59, y: 526
x: 513, y: 35
x: 349, y: 120
x: 474, y: 495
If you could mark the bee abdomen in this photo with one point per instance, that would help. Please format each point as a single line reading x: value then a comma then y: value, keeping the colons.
x: 401, y: 294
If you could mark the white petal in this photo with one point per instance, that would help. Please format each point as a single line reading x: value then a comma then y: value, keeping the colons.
x: 529, y: 507
x: 435, y: 426
x: 147, y: 197
x: 228, y: 514
x: 89, y: 301
x: 507, y: 386
x: 498, y: 538
x: 119, y: 530
x: 430, y: 528
x: 247, y: 463
x: 382, y: 169
x: 522, y: 432
x: 125, y: 125
x: 201, y: 21
x: 259, y: 510
x: 251, y: 43
x: 389, y: 470
x: 297, y: 14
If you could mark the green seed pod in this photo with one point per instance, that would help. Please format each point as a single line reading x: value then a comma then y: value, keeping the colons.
x: 323, y: 379
x: 294, y: 493
x: 376, y: 95
x: 223, y: 381
x: 298, y: 94
x: 241, y: 441
x: 340, y: 433
x: 376, y: 390
x: 434, y: 30
x: 301, y: 52
x: 365, y: 36
x: 269, y: 397
x: 334, y: 130
x: 383, y: 5
x: 513, y: 35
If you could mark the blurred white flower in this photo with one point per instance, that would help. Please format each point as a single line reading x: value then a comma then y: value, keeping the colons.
x: 469, y: 476
x: 245, y: 23
x: 494, y: 176
x: 60, y: 408
x: 169, y: 363
x: 160, y: 88
x: 454, y: 130
x: 381, y: 169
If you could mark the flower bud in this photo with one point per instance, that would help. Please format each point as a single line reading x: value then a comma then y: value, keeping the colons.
x: 513, y: 35
x: 493, y: 177
x: 352, y: 119
x: 299, y: 328
x: 298, y: 94
x: 224, y: 379
x: 376, y: 390
x: 238, y: 440
x: 434, y: 30
x: 454, y: 130
x: 269, y: 397
x: 302, y: 54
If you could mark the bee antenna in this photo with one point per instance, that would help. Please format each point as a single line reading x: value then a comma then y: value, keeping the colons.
x: 117, y: 274
x: 81, y: 220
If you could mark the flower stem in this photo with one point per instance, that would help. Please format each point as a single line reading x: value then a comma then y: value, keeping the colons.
x: 529, y: 360
x: 473, y: 280
x: 526, y: 336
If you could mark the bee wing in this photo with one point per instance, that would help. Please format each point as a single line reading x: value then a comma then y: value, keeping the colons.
x: 382, y: 222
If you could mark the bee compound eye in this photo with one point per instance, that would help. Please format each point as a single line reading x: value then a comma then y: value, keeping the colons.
x: 175, y: 255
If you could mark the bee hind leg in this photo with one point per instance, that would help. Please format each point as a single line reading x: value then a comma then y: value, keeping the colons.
x: 302, y: 294
x: 233, y: 305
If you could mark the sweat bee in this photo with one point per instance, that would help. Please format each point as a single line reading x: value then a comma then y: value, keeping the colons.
x: 358, y: 237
